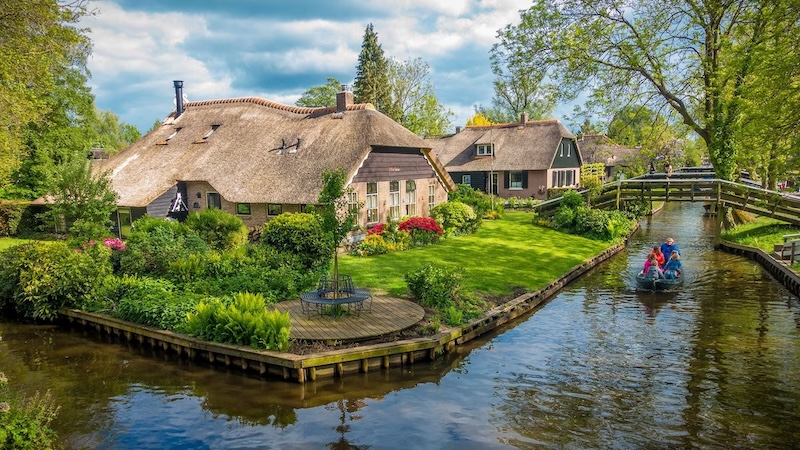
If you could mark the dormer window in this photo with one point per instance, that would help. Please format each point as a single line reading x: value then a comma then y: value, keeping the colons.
x: 485, y: 149
x: 213, y: 129
x: 173, y: 134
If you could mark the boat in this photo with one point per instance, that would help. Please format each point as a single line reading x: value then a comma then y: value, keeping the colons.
x: 658, y: 284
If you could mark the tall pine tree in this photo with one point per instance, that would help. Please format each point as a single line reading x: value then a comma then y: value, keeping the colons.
x: 372, y: 73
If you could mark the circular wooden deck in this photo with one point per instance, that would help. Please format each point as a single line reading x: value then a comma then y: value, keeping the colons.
x: 387, y: 315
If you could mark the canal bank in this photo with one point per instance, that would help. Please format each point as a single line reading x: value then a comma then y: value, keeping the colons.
x: 334, y: 363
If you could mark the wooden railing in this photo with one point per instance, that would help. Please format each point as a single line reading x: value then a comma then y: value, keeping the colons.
x: 689, y: 188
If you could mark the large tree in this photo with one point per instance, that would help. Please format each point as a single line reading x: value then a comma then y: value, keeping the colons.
x: 372, y: 73
x: 518, y: 88
x: 39, y: 42
x: 323, y: 95
x: 692, y: 56
x: 413, y: 102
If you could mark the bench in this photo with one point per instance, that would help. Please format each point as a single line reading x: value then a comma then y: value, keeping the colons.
x: 790, y: 249
x: 335, y: 295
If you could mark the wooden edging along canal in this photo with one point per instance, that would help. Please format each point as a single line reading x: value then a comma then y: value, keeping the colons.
x: 334, y: 363
x: 777, y: 268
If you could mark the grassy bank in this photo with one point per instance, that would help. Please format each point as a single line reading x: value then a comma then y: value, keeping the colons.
x: 763, y: 233
x: 503, y: 256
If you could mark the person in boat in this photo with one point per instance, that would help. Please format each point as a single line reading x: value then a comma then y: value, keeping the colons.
x: 673, y: 267
x: 659, y: 256
x: 668, y: 246
x: 651, y: 268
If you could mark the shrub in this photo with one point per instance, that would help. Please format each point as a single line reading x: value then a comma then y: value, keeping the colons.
x: 245, y: 321
x: 572, y: 199
x: 25, y: 421
x: 155, y: 244
x: 423, y: 230
x: 220, y: 230
x: 373, y: 244
x: 300, y: 234
x: 480, y: 202
x: 41, y: 277
x: 435, y: 287
x: 10, y: 217
x: 456, y: 218
x: 151, y: 302
x: 563, y: 219
x: 377, y: 229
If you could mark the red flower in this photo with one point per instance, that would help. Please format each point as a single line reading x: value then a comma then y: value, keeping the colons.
x: 377, y: 229
x: 422, y: 224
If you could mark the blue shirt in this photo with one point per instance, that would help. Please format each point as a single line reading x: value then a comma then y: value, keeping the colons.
x: 667, y: 249
x: 673, y: 264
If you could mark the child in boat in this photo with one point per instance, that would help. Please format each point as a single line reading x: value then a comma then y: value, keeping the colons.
x: 651, y: 269
x: 672, y: 269
x: 659, y: 256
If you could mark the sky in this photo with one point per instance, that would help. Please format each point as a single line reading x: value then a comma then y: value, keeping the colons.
x: 278, y: 49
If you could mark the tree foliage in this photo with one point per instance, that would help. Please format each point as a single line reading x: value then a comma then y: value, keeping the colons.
x: 40, y: 42
x: 692, y: 59
x: 413, y: 102
x: 338, y: 217
x: 518, y: 89
x: 323, y: 95
x: 372, y: 73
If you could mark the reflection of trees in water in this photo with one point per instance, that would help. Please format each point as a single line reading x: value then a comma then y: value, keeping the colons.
x: 347, y: 409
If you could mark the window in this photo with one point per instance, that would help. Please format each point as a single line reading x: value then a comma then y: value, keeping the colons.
x: 372, y: 203
x: 411, y: 198
x: 243, y: 209
x: 124, y: 222
x: 569, y: 147
x: 466, y: 179
x: 485, y: 149
x: 394, y: 200
x: 213, y: 200
x: 564, y: 178
x: 431, y: 196
x: 274, y: 209
x: 515, y: 180
x: 213, y: 129
x: 352, y: 201
x: 491, y: 183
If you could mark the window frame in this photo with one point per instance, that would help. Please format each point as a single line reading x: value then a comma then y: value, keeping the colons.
x: 371, y: 204
x: 484, y: 149
x: 466, y: 179
x: 271, y: 209
x: 244, y: 209
x: 394, y: 200
x: 431, y: 196
x: 218, y: 203
x: 515, y: 185
x: 411, y: 198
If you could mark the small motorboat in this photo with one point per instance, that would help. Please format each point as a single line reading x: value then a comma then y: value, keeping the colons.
x: 658, y: 284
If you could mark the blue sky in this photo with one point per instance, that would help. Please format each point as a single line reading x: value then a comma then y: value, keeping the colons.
x: 278, y: 49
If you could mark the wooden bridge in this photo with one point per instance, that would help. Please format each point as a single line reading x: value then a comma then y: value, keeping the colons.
x: 690, y: 187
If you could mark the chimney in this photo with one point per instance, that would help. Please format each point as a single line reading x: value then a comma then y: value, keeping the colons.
x: 344, y: 99
x: 458, y: 129
x: 178, y: 97
x: 523, y: 118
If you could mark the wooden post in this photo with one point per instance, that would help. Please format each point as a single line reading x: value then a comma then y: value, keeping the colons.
x: 718, y: 225
x: 619, y: 190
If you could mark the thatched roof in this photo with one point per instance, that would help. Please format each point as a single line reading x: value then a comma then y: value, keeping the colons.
x: 531, y: 146
x: 599, y: 148
x: 242, y: 159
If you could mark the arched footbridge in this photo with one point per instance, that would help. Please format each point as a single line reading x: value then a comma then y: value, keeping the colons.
x: 690, y: 187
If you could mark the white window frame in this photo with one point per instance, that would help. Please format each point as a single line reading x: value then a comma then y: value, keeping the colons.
x: 394, y: 200
x: 515, y: 185
x: 411, y: 198
x: 466, y: 179
x: 484, y: 149
x: 431, y: 196
x: 372, y: 203
x: 352, y: 201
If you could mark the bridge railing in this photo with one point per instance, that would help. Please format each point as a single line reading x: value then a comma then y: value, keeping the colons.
x: 653, y: 188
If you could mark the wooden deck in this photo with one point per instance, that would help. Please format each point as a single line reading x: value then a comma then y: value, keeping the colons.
x: 387, y: 315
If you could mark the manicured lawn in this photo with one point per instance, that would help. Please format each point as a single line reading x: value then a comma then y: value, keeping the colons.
x: 763, y: 233
x: 503, y: 255
x: 10, y: 242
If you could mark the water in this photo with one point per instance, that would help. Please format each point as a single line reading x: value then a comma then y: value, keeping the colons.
x: 602, y: 365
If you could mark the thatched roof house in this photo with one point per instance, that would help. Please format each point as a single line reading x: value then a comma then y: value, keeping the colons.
x: 599, y: 148
x: 524, y: 158
x: 257, y: 158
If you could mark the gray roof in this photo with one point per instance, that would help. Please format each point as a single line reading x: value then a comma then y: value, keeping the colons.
x: 242, y: 159
x: 531, y: 146
x: 599, y: 148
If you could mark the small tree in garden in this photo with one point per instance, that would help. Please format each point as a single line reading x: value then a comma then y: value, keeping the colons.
x: 338, y: 216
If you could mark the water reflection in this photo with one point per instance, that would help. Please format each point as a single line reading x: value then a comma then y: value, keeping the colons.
x: 712, y: 365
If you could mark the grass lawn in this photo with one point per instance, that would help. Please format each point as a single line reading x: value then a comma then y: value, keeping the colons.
x: 763, y: 233
x: 502, y: 256
x: 10, y: 242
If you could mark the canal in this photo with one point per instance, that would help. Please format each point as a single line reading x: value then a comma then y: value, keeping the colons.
x: 713, y: 365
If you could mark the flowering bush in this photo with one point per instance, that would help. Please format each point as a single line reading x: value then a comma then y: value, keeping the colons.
x: 423, y: 230
x: 114, y: 244
x: 377, y: 229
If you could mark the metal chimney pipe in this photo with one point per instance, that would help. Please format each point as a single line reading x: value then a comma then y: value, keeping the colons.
x: 178, y: 97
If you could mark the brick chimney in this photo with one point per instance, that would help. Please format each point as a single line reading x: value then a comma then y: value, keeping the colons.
x: 344, y: 99
x: 523, y: 118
